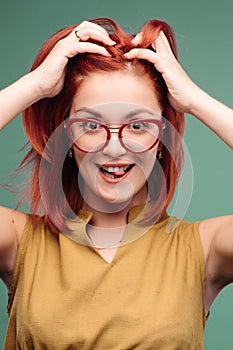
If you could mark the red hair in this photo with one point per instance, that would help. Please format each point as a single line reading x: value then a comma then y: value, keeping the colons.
x: 44, y: 116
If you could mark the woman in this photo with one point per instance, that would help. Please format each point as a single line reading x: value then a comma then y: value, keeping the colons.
x: 104, y: 116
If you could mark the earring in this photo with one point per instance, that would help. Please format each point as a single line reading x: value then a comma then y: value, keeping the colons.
x: 160, y: 155
x: 71, y: 153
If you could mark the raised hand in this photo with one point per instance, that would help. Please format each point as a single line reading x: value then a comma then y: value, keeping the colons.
x: 181, y: 89
x: 48, y: 78
x: 51, y: 73
x: 183, y: 94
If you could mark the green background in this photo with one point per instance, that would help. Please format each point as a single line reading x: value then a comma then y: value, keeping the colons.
x: 204, y: 35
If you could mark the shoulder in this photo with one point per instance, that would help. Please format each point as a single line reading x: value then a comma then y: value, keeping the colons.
x: 176, y: 226
x: 179, y: 234
x: 12, y: 224
x: 11, y: 228
x: 183, y: 235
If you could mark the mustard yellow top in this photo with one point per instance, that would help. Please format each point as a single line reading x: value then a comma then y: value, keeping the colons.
x: 65, y: 296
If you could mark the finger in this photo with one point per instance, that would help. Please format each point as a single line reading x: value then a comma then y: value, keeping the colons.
x: 137, y: 39
x: 86, y: 47
x: 87, y: 33
x: 161, y: 45
x: 86, y: 24
x: 141, y: 54
x: 87, y: 30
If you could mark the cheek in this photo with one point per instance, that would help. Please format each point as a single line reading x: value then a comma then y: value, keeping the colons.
x: 148, y: 162
x: 86, y: 165
x: 79, y: 158
x: 83, y: 169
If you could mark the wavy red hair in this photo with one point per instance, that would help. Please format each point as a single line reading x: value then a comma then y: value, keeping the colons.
x: 43, y: 117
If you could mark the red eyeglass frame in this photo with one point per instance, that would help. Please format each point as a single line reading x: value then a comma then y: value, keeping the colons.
x: 69, y: 122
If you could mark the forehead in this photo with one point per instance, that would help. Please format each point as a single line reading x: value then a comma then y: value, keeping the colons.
x: 117, y: 87
x: 118, y: 111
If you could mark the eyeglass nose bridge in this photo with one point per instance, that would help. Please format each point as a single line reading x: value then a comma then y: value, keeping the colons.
x: 117, y: 131
x: 114, y: 146
x: 114, y: 130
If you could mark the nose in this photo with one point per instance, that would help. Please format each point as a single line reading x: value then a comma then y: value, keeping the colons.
x: 114, y: 148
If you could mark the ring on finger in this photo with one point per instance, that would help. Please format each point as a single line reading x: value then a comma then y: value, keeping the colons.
x: 77, y: 35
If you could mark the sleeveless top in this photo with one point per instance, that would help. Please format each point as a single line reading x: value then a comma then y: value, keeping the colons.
x: 66, y: 296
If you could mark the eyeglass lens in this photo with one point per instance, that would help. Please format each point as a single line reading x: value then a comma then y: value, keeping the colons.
x: 137, y: 136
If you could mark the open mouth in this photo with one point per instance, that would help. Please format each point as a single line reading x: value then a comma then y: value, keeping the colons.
x: 115, y: 172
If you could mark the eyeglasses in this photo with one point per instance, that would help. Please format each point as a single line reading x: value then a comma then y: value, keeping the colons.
x: 91, y: 136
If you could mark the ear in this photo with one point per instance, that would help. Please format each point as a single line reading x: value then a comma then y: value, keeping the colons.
x: 71, y: 153
x: 160, y: 147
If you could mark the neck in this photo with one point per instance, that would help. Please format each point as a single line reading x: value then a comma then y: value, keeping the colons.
x: 109, y: 219
x: 113, y: 215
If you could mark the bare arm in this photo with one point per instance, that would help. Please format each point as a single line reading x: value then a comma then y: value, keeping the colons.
x: 217, y: 236
x: 17, y: 97
x: 215, y: 115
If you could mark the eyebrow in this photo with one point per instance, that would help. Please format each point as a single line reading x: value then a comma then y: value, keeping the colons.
x: 127, y: 116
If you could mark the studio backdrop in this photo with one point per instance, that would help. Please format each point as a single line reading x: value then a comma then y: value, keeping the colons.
x: 204, y: 31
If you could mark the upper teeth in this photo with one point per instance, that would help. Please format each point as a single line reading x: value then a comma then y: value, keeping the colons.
x: 114, y: 169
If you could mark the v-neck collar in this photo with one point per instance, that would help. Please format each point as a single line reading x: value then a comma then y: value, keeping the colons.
x: 134, y: 230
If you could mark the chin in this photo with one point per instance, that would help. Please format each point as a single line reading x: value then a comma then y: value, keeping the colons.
x: 116, y: 196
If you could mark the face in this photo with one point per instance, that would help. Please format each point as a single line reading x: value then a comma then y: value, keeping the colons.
x: 115, y: 175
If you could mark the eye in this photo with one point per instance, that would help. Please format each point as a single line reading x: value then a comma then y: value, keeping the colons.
x: 137, y: 126
x: 91, y: 126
